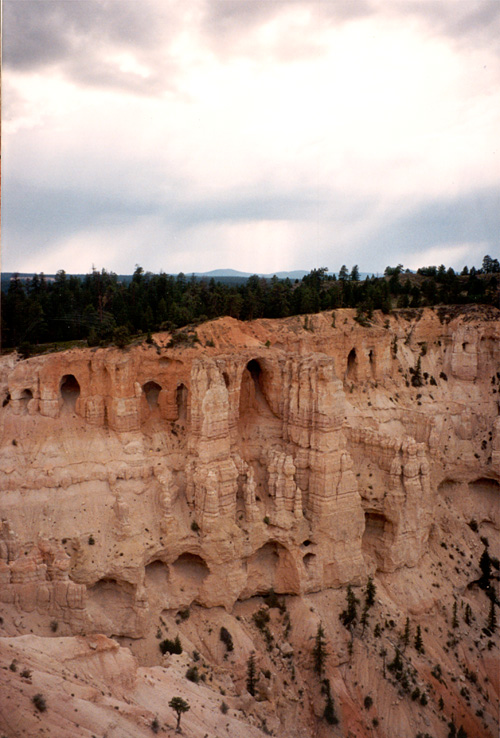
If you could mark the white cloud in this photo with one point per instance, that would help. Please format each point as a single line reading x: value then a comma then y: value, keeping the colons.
x: 380, y: 110
x: 451, y: 255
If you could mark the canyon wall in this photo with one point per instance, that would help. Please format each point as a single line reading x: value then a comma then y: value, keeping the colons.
x: 289, y: 455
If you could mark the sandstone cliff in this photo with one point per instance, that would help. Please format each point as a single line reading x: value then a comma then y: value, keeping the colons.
x: 294, y: 456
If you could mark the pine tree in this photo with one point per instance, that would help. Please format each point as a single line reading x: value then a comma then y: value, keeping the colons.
x: 419, y: 645
x: 329, y: 711
x: 492, y: 617
x: 406, y: 634
x: 364, y: 617
x: 454, y: 621
x: 396, y: 664
x: 350, y: 615
x: 383, y: 653
x: 319, y: 651
x: 370, y: 593
x: 468, y: 614
x: 485, y: 566
x: 251, y: 678
x: 179, y: 706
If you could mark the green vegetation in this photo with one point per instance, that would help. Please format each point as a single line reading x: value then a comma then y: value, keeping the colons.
x: 168, y: 646
x: 251, y: 674
x: 39, y: 702
x: 101, y: 308
x: 329, y: 711
x: 319, y: 651
x: 350, y: 615
x: 179, y: 706
x: 226, y: 638
x: 192, y: 674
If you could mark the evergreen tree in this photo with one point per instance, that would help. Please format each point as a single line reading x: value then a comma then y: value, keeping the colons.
x: 251, y: 674
x: 468, y: 614
x: 396, y: 664
x: 419, y: 645
x: 329, y: 711
x: 383, y: 653
x: 370, y: 593
x: 364, y: 617
x: 319, y: 651
x: 350, y: 615
x: 492, y: 617
x: 454, y: 620
x: 485, y: 566
x: 406, y: 634
x: 179, y: 706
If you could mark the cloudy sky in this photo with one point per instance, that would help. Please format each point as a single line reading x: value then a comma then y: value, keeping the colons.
x: 259, y: 135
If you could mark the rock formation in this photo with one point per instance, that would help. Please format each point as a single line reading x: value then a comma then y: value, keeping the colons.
x: 267, y: 457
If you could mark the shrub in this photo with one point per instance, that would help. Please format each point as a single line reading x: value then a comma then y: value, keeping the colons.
x: 121, y: 336
x: 54, y: 625
x: 168, y: 646
x: 192, y: 674
x: 367, y: 702
x: 155, y: 725
x: 91, y: 540
x: 224, y: 708
x: 39, y: 702
x: 261, y: 618
x: 195, y: 527
x: 226, y: 638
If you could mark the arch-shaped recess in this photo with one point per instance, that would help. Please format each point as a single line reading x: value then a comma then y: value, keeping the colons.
x: 449, y: 488
x: 352, y: 365
x: 373, y: 362
x: 271, y: 567
x: 109, y: 596
x: 191, y: 568
x: 378, y: 536
x: 156, y: 574
x: 226, y: 379
x: 181, y: 399
x: 151, y: 391
x: 25, y: 397
x: 6, y: 400
x: 70, y: 390
x: 309, y: 560
x: 486, y: 499
x: 486, y: 484
x: 252, y: 393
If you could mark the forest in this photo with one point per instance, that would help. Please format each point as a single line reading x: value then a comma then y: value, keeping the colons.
x: 101, y: 309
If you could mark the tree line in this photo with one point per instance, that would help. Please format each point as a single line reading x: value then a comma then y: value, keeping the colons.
x: 99, y: 306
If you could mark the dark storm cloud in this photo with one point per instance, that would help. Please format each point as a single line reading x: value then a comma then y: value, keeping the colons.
x: 39, y: 215
x: 472, y: 218
x: 79, y: 39
x: 473, y: 23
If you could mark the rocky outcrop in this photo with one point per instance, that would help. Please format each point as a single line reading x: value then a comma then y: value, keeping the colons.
x: 274, y: 457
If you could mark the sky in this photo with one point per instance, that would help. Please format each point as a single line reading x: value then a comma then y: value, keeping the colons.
x: 257, y: 135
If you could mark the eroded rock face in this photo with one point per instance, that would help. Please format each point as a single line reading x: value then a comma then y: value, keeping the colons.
x: 274, y: 458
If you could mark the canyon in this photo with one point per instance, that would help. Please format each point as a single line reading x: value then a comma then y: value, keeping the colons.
x: 174, y: 488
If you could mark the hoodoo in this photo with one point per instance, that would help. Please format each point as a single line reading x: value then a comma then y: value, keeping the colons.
x: 155, y: 492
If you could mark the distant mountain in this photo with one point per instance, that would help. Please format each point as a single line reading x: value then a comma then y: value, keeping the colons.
x: 228, y: 276
x: 244, y: 275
